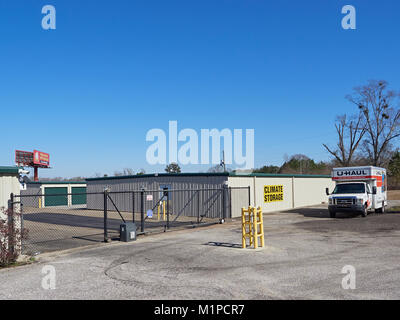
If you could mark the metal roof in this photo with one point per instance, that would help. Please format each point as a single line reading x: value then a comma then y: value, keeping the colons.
x: 57, y: 182
x: 280, y: 175
x: 197, y: 174
x: 13, y: 169
x: 202, y: 174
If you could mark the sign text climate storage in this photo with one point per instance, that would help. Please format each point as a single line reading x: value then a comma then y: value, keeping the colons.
x: 273, y: 193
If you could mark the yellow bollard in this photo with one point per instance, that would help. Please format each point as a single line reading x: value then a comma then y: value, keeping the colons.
x: 163, y: 208
x: 158, y: 212
x: 252, y: 227
x: 261, y: 224
x: 258, y: 227
x: 255, y: 228
x: 243, y: 229
x: 247, y: 228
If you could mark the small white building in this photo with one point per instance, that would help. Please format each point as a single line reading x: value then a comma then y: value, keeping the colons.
x: 9, y: 183
x: 55, y: 194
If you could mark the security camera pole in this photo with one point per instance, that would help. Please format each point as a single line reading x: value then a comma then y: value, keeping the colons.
x: 222, y: 164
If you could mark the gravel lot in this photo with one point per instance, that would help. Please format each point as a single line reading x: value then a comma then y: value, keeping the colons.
x: 303, y: 258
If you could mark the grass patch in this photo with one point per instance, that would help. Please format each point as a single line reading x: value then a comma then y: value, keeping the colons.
x: 395, y: 209
x: 29, y: 260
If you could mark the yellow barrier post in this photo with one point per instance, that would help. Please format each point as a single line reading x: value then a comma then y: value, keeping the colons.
x: 261, y: 223
x: 243, y: 229
x: 252, y: 227
x: 255, y: 227
x: 158, y: 212
x: 247, y: 228
x: 163, y: 208
x: 258, y: 227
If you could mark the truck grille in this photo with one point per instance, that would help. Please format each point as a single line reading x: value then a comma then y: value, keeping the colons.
x: 344, y: 202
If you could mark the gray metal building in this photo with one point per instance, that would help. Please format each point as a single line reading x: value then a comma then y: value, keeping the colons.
x: 189, y: 191
x: 288, y: 191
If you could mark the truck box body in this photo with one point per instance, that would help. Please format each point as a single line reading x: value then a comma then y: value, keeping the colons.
x: 358, y: 189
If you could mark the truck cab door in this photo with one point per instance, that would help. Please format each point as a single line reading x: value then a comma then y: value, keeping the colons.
x: 371, y: 197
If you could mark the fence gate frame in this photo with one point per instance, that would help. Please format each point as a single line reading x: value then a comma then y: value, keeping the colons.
x: 190, y: 208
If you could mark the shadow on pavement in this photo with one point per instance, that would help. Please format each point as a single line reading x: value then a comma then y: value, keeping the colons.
x: 224, y: 244
x: 322, y: 213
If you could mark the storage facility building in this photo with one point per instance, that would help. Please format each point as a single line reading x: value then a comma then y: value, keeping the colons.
x: 272, y: 192
x: 59, y: 194
x: 9, y: 183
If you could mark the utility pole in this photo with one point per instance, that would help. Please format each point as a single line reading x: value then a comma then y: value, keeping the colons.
x: 223, y: 160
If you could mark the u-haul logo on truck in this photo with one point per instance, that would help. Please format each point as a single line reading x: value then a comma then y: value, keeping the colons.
x: 351, y: 173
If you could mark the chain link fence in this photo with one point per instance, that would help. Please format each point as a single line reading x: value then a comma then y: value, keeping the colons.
x: 62, y: 221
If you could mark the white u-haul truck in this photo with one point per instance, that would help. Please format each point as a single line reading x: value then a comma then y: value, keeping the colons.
x: 358, y: 189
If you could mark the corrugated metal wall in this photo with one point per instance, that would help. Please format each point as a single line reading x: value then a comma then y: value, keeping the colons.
x: 184, y: 203
x: 298, y: 191
x: 32, y: 189
x: 8, y: 184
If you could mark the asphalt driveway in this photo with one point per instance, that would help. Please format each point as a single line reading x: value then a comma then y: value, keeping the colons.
x: 303, y: 258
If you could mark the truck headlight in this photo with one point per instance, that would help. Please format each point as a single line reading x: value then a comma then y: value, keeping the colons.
x: 330, y: 201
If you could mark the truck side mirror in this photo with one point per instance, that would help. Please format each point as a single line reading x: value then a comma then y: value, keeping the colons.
x: 327, y: 191
x: 373, y: 190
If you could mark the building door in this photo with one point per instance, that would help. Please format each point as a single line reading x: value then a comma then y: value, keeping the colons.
x: 78, y: 195
x: 60, y: 197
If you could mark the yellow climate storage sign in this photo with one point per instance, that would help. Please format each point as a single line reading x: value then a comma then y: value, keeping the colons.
x: 273, y: 193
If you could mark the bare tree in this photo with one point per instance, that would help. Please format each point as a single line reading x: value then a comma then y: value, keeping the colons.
x: 124, y: 172
x: 350, y: 133
x: 382, y: 118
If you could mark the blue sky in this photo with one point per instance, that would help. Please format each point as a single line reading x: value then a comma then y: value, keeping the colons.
x: 88, y: 92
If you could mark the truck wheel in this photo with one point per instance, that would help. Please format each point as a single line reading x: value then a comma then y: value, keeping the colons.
x: 381, y: 209
x: 364, y: 213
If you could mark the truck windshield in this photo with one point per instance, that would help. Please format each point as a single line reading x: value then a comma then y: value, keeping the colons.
x: 349, y: 188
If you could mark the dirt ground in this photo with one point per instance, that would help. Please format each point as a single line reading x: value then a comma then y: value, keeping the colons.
x: 393, y: 194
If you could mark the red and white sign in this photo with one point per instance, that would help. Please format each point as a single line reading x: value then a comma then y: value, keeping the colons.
x: 41, y: 158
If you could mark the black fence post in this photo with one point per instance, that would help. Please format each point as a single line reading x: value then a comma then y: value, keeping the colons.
x: 223, y: 202
x: 11, y: 221
x: 167, y: 210
x: 133, y: 207
x: 198, y: 206
x: 142, y: 210
x: 249, y: 196
x: 105, y: 216
x: 230, y: 202
x: 11, y: 203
